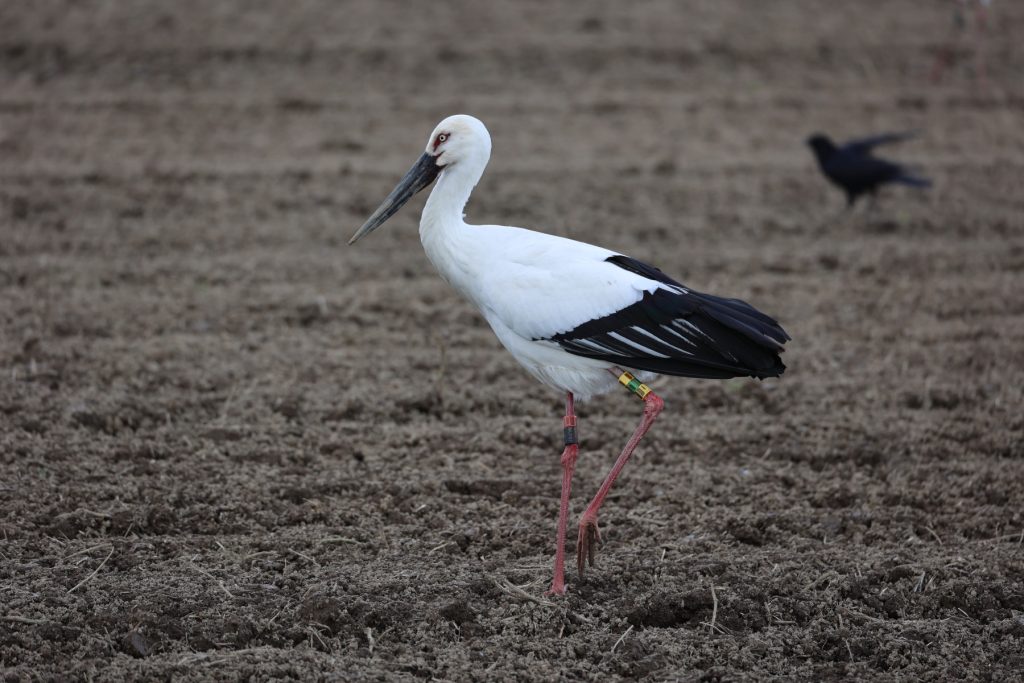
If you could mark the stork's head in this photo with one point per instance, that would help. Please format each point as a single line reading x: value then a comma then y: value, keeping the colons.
x: 459, y: 143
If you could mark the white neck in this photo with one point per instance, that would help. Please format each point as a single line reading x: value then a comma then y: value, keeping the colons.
x: 442, y: 214
x: 447, y: 200
x: 442, y: 229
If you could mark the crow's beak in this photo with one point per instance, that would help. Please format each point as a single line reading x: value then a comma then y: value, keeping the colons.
x: 423, y: 172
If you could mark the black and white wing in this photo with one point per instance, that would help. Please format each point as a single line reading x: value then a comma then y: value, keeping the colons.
x: 674, y: 330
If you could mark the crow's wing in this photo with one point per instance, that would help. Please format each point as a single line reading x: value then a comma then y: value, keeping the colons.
x: 856, y: 172
x: 865, y: 145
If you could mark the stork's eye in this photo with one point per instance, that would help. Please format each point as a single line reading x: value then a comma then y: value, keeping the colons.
x: 440, y: 139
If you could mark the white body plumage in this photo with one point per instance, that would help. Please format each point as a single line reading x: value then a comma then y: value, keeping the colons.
x: 529, y: 286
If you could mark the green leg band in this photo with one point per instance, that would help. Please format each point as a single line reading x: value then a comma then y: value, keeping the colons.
x: 634, y: 385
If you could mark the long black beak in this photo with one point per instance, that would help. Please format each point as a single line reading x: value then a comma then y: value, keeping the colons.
x: 422, y: 173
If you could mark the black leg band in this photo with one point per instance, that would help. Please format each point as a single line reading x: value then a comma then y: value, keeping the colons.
x: 570, y: 436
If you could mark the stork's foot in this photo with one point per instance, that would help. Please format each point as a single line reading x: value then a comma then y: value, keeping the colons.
x: 586, y: 544
x: 557, y: 588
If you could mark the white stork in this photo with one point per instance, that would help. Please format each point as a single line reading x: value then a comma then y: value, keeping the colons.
x: 581, y: 319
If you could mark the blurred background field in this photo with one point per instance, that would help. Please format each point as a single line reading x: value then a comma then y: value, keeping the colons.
x: 231, y: 446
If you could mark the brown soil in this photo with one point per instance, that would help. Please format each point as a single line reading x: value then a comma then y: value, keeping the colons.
x: 233, y: 447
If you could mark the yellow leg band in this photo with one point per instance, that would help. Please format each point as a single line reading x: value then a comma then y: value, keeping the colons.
x: 633, y: 384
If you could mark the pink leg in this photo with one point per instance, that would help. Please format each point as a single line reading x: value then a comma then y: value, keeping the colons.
x: 590, y: 536
x: 568, y: 465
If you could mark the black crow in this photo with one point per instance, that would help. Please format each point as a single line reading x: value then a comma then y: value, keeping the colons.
x: 852, y: 167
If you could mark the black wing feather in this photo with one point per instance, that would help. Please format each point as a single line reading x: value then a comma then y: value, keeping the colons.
x: 866, y: 144
x: 859, y: 173
x: 679, y: 331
